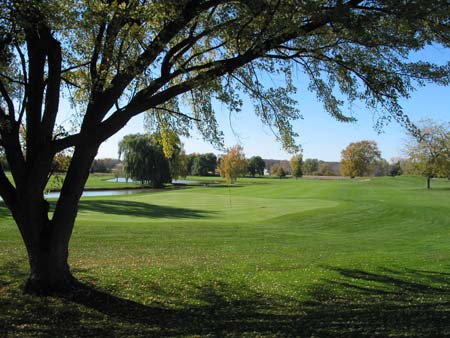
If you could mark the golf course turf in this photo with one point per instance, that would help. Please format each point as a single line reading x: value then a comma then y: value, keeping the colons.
x: 262, y: 258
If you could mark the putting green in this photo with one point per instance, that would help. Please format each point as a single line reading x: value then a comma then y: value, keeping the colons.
x: 190, y: 206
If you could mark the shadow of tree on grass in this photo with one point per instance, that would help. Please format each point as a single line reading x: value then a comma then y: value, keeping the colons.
x: 407, y: 303
x: 139, y: 209
x: 4, y: 212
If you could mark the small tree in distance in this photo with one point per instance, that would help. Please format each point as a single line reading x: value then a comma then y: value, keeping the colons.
x: 278, y: 170
x: 395, y: 169
x: 359, y: 158
x: 118, y: 172
x: 296, y: 163
x: 311, y: 166
x: 233, y: 164
x: 256, y: 165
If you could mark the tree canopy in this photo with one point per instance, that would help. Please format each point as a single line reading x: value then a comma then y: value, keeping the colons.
x: 296, y: 163
x: 360, y: 158
x: 278, y: 170
x: 116, y: 59
x: 311, y: 166
x: 144, y: 160
x: 256, y: 165
x: 233, y: 164
x: 203, y: 164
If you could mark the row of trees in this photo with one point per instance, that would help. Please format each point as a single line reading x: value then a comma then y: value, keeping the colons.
x: 234, y: 164
x: 427, y: 153
x: 363, y: 158
x: 145, y: 160
x: 104, y: 165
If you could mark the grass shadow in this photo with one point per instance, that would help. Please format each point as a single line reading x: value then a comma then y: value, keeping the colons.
x: 4, y: 212
x: 407, y: 303
x: 139, y: 209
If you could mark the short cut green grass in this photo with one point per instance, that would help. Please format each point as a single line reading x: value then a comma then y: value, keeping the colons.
x: 262, y: 258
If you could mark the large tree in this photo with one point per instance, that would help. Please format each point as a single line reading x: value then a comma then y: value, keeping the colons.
x: 144, y: 160
x: 360, y: 158
x: 117, y: 59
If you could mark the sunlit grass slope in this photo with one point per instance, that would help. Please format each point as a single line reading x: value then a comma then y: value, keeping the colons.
x: 266, y: 257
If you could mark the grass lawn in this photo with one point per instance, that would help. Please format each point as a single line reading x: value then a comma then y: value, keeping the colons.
x: 263, y: 258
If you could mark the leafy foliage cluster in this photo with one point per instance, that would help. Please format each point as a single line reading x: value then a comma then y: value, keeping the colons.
x: 202, y: 164
x: 296, y: 163
x: 144, y: 160
x: 429, y: 151
x: 360, y: 158
x: 256, y: 166
x: 233, y: 164
x: 278, y: 170
x: 311, y: 166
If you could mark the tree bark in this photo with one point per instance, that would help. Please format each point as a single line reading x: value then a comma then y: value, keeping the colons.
x: 428, y: 183
x: 46, y: 248
x: 47, y: 240
x: 49, y: 270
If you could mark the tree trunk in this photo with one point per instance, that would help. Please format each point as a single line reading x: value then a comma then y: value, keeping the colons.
x: 47, y: 241
x: 49, y: 270
x: 47, y: 253
x: 428, y: 183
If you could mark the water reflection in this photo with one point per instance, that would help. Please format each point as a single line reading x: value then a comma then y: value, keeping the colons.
x: 90, y: 193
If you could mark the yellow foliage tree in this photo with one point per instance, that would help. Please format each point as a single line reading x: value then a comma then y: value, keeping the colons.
x: 233, y: 164
x: 358, y: 158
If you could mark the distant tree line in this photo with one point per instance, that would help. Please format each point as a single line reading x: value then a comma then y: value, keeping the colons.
x: 363, y: 158
x: 427, y: 155
x: 104, y: 165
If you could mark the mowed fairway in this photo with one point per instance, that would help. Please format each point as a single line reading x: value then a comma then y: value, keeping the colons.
x: 264, y: 258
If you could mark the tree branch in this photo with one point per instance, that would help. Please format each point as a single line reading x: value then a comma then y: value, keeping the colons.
x: 53, y: 88
x: 36, y: 48
x: 118, y: 84
x: 10, y: 79
x: 95, y: 54
x: 9, y: 102
x: 7, y: 190
x: 174, y: 112
x: 65, y: 70
x: 147, y: 98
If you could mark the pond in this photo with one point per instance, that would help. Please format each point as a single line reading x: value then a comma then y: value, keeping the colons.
x: 120, y: 180
x: 180, y: 182
x: 88, y: 193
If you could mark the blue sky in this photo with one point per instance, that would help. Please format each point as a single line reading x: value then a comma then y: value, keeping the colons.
x: 321, y: 136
